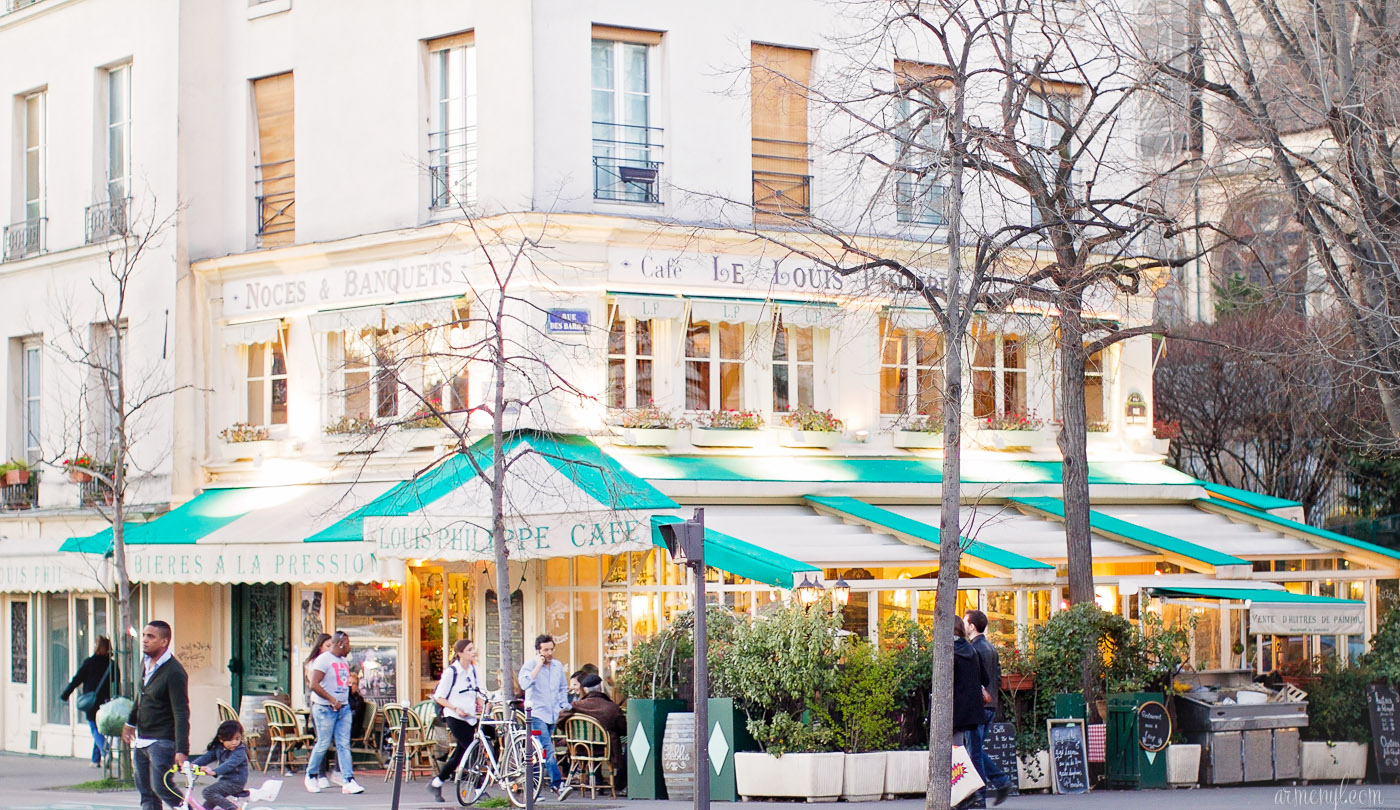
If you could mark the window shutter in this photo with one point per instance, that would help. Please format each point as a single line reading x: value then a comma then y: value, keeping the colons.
x: 778, y: 95
x: 273, y: 100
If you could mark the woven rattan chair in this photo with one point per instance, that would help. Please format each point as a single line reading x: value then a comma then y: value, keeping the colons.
x: 367, y: 744
x: 285, y: 735
x: 588, y: 745
x: 251, y: 738
x: 418, y: 745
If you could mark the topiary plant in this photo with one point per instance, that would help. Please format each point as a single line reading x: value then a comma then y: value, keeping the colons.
x: 865, y: 699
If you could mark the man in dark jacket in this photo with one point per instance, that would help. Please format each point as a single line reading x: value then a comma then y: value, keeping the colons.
x: 969, y: 684
x: 158, y: 729
x: 600, y: 707
x: 992, y: 774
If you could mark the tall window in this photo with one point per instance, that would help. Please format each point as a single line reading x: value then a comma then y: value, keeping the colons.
x: 30, y: 392
x: 1094, y: 388
x: 35, y: 174
x: 625, y: 144
x: 794, y: 368
x: 110, y: 341
x: 452, y: 141
x: 267, y: 381
x: 998, y: 375
x: 118, y: 132
x: 911, y: 373
x: 383, y: 372
x: 714, y: 366
x: 782, y: 181
x: 273, y: 99
x: 1046, y: 115
x: 921, y: 130
x: 630, y: 369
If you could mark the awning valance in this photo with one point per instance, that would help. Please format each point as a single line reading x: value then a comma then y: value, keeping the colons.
x: 808, y: 314
x: 1281, y: 612
x: 742, y: 559
x: 243, y: 334
x: 730, y: 310
x: 918, y: 320
x: 649, y: 307
x: 412, y: 313
x: 35, y: 566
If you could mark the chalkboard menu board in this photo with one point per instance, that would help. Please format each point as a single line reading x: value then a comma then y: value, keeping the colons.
x: 1069, y: 762
x: 1000, y: 745
x: 1154, y: 726
x: 1383, y: 703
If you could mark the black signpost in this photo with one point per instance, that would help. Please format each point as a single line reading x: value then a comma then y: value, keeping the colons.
x: 1000, y: 745
x: 1154, y: 726
x: 1383, y: 704
x: 1069, y: 761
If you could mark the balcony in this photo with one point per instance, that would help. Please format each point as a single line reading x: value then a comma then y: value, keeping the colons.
x: 782, y: 180
x: 24, y: 238
x: 17, y: 497
x: 105, y: 220
x: 276, y: 201
x: 626, y: 167
x: 452, y: 164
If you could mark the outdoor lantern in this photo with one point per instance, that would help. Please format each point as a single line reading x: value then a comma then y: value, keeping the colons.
x: 841, y: 592
x: 1136, y: 411
x: 808, y: 591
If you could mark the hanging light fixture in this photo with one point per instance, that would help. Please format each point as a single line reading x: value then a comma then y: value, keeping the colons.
x: 808, y: 591
x: 841, y: 592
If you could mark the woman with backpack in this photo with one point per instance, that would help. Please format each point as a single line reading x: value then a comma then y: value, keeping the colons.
x: 96, y: 676
x: 460, y: 699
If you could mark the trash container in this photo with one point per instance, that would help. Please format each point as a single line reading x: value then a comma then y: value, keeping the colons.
x: 1130, y: 765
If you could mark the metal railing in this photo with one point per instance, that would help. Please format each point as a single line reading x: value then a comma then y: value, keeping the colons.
x: 919, y: 201
x: 626, y: 167
x: 276, y: 197
x: 15, y: 497
x: 786, y: 189
x: 93, y: 492
x: 105, y: 219
x: 24, y: 238
x: 452, y: 164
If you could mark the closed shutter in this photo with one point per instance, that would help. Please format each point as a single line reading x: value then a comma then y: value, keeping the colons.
x: 778, y: 92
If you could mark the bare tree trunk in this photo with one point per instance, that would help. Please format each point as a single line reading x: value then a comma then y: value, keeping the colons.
x: 498, y: 513
x: 1073, y: 443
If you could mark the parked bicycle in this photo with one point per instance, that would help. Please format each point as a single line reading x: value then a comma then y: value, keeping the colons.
x: 501, y: 761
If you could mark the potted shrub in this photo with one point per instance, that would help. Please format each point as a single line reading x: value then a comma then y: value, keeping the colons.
x: 1335, y: 740
x: 908, y: 652
x: 924, y: 433
x: 648, y: 427
x: 807, y: 427
x: 726, y: 429
x: 79, y: 469
x: 1162, y: 434
x: 1014, y: 430
x: 242, y: 440
x: 865, y: 702
x: 350, y: 433
x: 16, y: 472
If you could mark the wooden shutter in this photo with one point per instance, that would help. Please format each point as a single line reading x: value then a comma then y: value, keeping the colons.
x: 273, y: 101
x: 465, y: 39
x: 640, y: 36
x: 778, y: 94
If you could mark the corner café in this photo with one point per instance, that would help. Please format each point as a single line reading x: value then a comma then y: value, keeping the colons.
x: 251, y: 575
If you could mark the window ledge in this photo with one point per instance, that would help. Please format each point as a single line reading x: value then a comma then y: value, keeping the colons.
x: 267, y: 8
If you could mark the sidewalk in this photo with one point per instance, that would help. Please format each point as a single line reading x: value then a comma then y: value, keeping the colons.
x: 27, y: 783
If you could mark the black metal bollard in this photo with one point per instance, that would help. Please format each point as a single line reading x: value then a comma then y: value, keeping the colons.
x: 529, y: 761
x: 399, y: 758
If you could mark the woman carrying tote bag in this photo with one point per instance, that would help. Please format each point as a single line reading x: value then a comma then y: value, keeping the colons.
x: 95, y: 676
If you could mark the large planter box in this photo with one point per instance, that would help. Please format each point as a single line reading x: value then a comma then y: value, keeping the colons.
x: 646, y: 722
x: 917, y: 440
x: 724, y: 437
x: 341, y: 443
x: 1161, y: 446
x: 1183, y: 764
x: 814, y: 777
x: 648, y: 437
x: 240, y: 451
x: 1009, y: 439
x: 1033, y: 773
x: 865, y: 777
x: 398, y: 442
x: 820, y: 439
x: 1334, y: 761
x: 906, y: 773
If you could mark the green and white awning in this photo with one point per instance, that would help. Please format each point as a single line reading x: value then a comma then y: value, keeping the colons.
x: 1274, y: 611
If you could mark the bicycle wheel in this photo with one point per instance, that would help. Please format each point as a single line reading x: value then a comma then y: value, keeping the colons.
x: 471, y: 775
x: 513, y: 767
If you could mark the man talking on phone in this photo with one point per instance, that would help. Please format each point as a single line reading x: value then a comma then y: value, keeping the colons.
x: 546, y: 686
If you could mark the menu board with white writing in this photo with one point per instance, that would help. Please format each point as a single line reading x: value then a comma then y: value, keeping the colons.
x: 1382, y: 701
x: 1069, y: 762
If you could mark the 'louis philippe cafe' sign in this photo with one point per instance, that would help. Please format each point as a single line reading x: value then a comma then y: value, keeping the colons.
x: 570, y: 535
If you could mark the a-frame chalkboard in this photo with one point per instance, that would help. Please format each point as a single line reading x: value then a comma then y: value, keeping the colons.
x: 1383, y: 704
x: 1069, y: 759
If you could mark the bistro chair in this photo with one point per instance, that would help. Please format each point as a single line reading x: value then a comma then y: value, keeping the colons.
x: 250, y: 736
x: 366, y: 743
x: 589, y: 745
x: 417, y: 744
x: 285, y: 735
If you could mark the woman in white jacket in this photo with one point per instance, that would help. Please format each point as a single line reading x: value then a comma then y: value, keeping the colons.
x: 460, y: 693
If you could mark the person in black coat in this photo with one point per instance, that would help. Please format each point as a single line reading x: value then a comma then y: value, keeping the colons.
x: 97, y: 674
x: 969, y: 685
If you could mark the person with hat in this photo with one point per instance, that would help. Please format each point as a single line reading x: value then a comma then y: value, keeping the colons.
x: 609, y: 715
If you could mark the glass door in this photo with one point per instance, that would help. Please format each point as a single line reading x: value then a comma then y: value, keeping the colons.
x: 59, y: 654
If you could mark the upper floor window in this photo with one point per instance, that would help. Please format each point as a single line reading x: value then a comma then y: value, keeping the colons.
x: 108, y: 360
x: 998, y: 374
x: 1095, y: 389
x: 31, y: 391
x: 714, y: 366
x: 267, y: 381
x: 452, y: 138
x: 921, y: 130
x: 630, y: 363
x: 391, y: 372
x: 782, y: 175
x: 275, y: 165
x: 118, y: 132
x: 911, y: 370
x: 626, y: 145
x: 26, y: 237
x: 1048, y: 113
x: 794, y: 368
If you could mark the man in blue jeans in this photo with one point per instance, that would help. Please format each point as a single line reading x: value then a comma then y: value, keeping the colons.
x: 330, y: 708
x: 158, y: 728
x: 992, y: 774
x: 546, y: 688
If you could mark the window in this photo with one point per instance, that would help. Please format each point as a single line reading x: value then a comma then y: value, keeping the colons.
x: 273, y: 101
x: 267, y: 381
x: 59, y: 653
x: 109, y: 376
x: 30, y: 392
x: 383, y: 372
x: 998, y: 375
x: 911, y: 373
x: 630, y: 368
x: 452, y: 140
x: 25, y: 238
x: 921, y: 130
x: 1046, y: 115
x: 625, y: 144
x: 714, y: 366
x: 782, y: 181
x: 1094, y: 389
x: 794, y: 368
x: 118, y: 132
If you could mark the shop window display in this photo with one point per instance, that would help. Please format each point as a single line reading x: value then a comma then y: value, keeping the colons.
x: 372, y: 615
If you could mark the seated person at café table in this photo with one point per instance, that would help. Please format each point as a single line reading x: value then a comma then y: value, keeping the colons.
x: 609, y: 715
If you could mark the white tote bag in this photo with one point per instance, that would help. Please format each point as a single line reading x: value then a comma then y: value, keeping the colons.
x: 965, y: 779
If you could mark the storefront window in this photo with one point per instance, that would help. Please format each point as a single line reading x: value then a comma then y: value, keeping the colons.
x: 1001, y: 618
x: 19, y: 642
x: 371, y: 614
x: 892, y: 605
x: 430, y: 615
x: 1387, y: 596
x: 58, y: 650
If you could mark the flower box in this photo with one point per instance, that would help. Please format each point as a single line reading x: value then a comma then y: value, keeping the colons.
x: 79, y: 475
x: 821, y: 439
x: 1161, y: 446
x: 1009, y: 439
x: 865, y: 777
x: 342, y: 443
x: 1102, y: 441
x: 248, y: 451
x: 647, y: 437
x: 906, y: 773
x: 814, y: 777
x: 724, y: 437
x: 1017, y: 683
x: 1183, y: 764
x: 14, y: 478
x: 398, y: 442
x: 1334, y: 761
x: 917, y: 440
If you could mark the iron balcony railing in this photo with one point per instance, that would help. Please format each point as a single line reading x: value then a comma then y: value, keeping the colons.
x: 16, y: 497
x: 452, y: 164
x: 919, y: 201
x: 24, y: 238
x: 276, y: 197
x: 782, y: 182
x: 626, y: 163
x: 16, y: 5
x: 106, y: 219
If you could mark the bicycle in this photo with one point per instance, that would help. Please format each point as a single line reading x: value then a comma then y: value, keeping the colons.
x: 479, y: 765
x: 267, y: 793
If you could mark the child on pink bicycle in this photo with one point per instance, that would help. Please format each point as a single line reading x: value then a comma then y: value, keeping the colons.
x: 231, y: 771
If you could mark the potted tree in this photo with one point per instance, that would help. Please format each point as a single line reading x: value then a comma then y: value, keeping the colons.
x: 726, y: 429
x: 924, y: 433
x: 650, y: 426
x: 908, y: 653
x: 244, y: 441
x: 865, y: 702
x: 808, y: 427
x: 1010, y: 431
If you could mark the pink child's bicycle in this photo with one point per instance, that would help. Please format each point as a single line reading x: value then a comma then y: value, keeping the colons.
x: 267, y: 793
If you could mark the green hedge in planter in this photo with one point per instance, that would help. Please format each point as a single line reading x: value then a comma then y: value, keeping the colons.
x: 662, y: 667
x: 1337, y: 702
